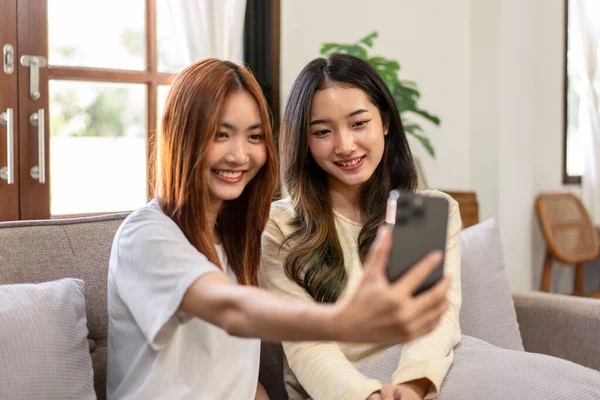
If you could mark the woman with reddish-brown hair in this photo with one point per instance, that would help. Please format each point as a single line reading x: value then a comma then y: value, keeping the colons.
x: 184, y: 310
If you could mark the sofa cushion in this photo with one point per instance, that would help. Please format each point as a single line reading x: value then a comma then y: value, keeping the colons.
x: 484, y: 371
x: 488, y: 310
x: 45, y: 351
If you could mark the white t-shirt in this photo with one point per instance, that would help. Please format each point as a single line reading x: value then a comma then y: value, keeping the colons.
x: 154, y: 350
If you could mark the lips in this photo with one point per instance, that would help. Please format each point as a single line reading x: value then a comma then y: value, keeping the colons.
x: 351, y: 164
x: 228, y: 175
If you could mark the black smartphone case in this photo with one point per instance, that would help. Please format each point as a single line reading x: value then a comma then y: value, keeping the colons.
x: 420, y: 228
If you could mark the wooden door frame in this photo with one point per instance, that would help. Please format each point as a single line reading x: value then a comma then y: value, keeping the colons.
x: 9, y: 194
x: 32, y: 35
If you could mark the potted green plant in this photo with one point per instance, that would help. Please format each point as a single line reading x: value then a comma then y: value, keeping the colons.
x: 405, y: 92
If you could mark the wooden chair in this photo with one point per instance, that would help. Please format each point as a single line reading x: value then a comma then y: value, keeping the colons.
x: 570, y: 235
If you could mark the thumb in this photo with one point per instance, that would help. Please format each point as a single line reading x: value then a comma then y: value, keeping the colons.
x: 379, y: 254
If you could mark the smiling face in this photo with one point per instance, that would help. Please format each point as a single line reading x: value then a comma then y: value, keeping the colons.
x: 346, y: 136
x: 238, y: 151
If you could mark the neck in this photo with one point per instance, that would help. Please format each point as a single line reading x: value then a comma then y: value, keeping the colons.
x: 344, y: 199
x: 214, y: 206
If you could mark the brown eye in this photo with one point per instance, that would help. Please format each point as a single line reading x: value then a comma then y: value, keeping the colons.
x: 360, y: 124
x: 256, y: 137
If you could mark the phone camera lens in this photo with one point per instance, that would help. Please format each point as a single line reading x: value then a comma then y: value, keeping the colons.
x: 418, y: 208
x: 403, y: 202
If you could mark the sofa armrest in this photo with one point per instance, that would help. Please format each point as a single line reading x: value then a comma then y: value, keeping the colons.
x: 562, y: 326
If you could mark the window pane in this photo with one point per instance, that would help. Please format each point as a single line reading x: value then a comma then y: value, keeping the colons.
x: 574, y: 140
x: 169, y: 53
x: 576, y: 136
x: 99, y: 34
x: 97, y: 147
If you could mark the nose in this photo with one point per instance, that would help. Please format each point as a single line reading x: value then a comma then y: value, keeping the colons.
x: 237, y: 154
x: 345, y: 143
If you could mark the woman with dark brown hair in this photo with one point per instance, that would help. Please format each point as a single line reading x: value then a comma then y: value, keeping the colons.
x: 343, y: 149
x: 182, y: 296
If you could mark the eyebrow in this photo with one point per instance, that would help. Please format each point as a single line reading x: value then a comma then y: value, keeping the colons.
x: 352, y: 114
x: 233, y: 128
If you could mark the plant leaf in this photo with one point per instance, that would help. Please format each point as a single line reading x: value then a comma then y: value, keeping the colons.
x: 407, y: 91
x: 432, y: 118
x: 380, y: 63
x: 327, y: 48
x: 356, y: 51
x: 368, y: 40
x: 410, y: 84
x: 412, y: 128
x: 352, y: 49
x: 425, y: 142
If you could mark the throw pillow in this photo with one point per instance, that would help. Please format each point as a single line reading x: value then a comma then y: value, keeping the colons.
x: 488, y: 311
x: 483, y: 371
x: 44, y: 352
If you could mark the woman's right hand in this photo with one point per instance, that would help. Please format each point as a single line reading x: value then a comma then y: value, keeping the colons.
x: 380, y: 311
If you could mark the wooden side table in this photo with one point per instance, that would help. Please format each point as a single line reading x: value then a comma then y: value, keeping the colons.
x: 468, y: 206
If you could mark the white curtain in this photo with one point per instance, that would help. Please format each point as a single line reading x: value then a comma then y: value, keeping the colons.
x: 209, y: 28
x: 584, y: 25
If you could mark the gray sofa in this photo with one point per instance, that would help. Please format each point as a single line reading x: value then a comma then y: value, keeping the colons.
x: 39, y: 251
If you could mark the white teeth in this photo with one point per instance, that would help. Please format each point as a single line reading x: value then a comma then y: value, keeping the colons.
x: 351, y: 163
x: 229, y: 175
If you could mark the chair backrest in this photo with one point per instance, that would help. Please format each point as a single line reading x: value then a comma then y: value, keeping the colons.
x: 567, y: 227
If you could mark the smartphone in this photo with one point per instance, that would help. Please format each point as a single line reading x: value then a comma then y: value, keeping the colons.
x: 419, y: 225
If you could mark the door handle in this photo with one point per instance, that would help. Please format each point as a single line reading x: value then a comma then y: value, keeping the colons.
x: 8, y: 173
x: 8, y: 59
x: 34, y: 63
x: 38, y: 172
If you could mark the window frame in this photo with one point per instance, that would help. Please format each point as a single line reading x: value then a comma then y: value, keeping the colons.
x: 26, y: 28
x: 567, y: 179
x: 151, y: 77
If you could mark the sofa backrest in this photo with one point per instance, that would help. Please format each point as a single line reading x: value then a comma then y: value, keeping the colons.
x: 40, y: 251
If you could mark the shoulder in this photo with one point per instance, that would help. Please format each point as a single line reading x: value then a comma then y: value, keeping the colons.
x: 453, y: 204
x: 454, y: 218
x: 148, y: 224
x: 282, y: 212
x: 281, y: 217
x: 436, y: 193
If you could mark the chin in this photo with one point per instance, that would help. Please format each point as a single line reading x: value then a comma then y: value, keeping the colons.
x: 354, y: 181
x: 228, y: 195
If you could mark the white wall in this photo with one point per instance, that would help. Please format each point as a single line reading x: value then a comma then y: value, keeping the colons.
x: 430, y: 39
x: 493, y: 71
x: 516, y: 112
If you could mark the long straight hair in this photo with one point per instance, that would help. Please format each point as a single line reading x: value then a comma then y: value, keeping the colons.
x: 316, y: 261
x: 191, y: 118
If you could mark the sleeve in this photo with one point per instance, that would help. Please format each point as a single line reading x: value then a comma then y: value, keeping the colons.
x: 156, y: 264
x: 431, y: 356
x: 320, y: 367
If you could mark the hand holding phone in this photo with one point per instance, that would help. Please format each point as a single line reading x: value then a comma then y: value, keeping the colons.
x: 419, y: 225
